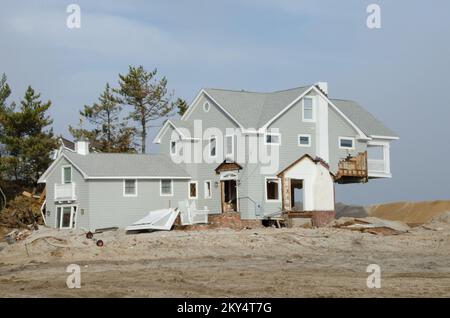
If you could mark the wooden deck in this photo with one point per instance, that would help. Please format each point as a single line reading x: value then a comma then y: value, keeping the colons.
x: 353, y: 169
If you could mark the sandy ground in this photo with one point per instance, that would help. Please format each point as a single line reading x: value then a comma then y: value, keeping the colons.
x: 267, y: 262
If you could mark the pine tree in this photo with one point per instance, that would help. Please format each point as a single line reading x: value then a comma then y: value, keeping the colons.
x: 181, y: 105
x: 5, y: 91
x: 110, y: 133
x: 147, y: 95
x: 27, y: 138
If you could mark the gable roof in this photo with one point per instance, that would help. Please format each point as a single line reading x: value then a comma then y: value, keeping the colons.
x: 316, y: 161
x: 254, y: 109
x: 176, y: 124
x: 370, y: 125
x: 119, y: 166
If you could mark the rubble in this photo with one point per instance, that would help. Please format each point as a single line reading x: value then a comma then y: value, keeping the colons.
x: 22, y: 212
x: 371, y: 225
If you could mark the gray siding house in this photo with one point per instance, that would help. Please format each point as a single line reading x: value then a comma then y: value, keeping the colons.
x: 254, y: 153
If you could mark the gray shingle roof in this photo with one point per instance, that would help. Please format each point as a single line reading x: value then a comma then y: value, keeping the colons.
x: 254, y: 109
x: 126, y: 165
x: 363, y: 119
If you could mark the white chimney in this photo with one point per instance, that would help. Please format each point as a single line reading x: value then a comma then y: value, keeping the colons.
x: 323, y: 86
x: 82, y: 147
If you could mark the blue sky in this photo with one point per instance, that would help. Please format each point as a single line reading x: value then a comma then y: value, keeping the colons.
x: 399, y: 72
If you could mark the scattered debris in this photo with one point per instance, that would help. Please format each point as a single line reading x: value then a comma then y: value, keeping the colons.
x: 371, y: 225
x: 16, y: 236
x: 22, y: 212
x: 90, y: 236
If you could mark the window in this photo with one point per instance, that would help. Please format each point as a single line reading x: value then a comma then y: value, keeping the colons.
x: 304, y: 140
x: 272, y: 139
x: 166, y: 187
x: 192, y: 189
x: 173, y: 147
x: 67, y: 174
x: 346, y: 143
x: 129, y: 187
x: 273, y: 189
x: 308, y: 109
x: 229, y: 144
x: 207, y: 189
x: 206, y: 107
x: 213, y: 146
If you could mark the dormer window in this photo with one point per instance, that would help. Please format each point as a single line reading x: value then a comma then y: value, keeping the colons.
x: 308, y: 109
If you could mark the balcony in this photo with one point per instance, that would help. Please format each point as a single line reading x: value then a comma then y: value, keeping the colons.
x: 65, y: 192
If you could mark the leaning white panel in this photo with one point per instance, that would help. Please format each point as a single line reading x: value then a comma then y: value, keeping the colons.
x: 156, y: 220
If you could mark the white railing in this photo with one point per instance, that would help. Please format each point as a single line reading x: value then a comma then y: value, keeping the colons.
x: 65, y: 192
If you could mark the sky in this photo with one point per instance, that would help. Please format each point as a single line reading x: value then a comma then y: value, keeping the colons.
x: 400, y: 72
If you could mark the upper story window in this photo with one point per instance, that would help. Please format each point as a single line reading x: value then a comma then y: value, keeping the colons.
x: 213, y: 146
x: 272, y: 139
x: 173, y: 147
x: 67, y: 174
x: 304, y: 140
x: 206, y: 107
x: 130, y: 187
x: 166, y: 187
x: 229, y: 145
x: 308, y: 109
x: 346, y: 143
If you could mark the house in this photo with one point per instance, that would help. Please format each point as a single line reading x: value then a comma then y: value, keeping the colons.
x: 254, y: 153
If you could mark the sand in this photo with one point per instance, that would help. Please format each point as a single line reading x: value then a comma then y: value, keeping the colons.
x: 412, y: 213
x: 263, y: 262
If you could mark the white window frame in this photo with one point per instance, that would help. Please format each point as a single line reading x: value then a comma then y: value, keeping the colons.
x: 272, y: 143
x: 196, y: 190
x: 206, y: 195
x: 231, y: 155
x: 176, y: 147
x: 346, y: 138
x: 136, y: 188
x: 206, y: 106
x: 210, y: 146
x: 304, y: 135
x: 279, y: 189
x: 313, y: 119
x: 171, y: 188
x: 72, y: 220
x: 62, y: 174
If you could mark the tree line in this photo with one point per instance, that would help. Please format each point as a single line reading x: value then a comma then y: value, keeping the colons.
x: 118, y: 121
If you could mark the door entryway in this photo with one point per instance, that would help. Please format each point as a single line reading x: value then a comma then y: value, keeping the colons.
x: 66, y: 216
x: 229, y: 195
x: 296, y: 194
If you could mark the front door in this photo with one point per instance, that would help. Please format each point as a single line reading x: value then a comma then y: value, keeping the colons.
x: 65, y: 216
x: 229, y: 195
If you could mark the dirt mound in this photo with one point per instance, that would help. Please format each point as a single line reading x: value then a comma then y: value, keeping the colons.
x: 412, y: 213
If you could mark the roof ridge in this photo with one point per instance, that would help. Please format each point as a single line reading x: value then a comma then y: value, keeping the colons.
x: 235, y: 90
x: 291, y: 89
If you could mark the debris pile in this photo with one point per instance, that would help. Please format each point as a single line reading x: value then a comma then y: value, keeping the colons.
x: 16, y: 236
x: 22, y: 212
x: 371, y: 225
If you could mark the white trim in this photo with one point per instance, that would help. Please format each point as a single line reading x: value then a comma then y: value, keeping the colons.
x: 205, y: 194
x: 272, y: 143
x: 385, y: 137
x: 304, y: 135
x: 279, y: 189
x: 230, y: 155
x: 43, y: 178
x: 171, y: 188
x: 196, y: 190
x: 210, y: 147
x: 193, y: 105
x: 135, y: 186
x: 206, y: 109
x: 63, y: 181
x: 346, y: 138
x: 313, y: 109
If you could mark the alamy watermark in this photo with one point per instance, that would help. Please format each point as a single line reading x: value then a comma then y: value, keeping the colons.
x: 374, y: 18
x: 74, y: 279
x: 374, y: 279
x: 73, y: 20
